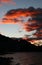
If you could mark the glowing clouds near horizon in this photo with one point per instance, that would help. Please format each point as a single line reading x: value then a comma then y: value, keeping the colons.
x: 30, y: 19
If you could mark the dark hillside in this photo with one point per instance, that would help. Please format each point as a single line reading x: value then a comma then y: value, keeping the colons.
x: 8, y: 45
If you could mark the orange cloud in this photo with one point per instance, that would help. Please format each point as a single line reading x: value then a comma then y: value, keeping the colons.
x: 19, y: 13
x: 21, y: 16
x: 7, y: 1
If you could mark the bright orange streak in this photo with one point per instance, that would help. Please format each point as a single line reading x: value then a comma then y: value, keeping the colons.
x: 5, y: 1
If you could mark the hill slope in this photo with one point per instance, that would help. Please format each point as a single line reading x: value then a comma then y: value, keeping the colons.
x: 8, y: 45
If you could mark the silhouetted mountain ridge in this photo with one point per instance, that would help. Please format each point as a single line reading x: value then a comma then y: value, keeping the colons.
x: 8, y: 45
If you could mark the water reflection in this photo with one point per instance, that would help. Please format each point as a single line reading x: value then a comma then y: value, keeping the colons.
x: 22, y: 58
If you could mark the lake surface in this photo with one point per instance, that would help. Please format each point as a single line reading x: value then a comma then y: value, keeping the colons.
x: 25, y: 58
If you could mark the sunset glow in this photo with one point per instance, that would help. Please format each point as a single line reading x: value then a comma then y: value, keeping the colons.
x: 21, y: 19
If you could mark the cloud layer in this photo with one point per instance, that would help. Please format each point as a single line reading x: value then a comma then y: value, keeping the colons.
x: 30, y: 18
x: 2, y: 2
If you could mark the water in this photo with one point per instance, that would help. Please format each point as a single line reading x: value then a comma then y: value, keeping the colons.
x: 25, y: 58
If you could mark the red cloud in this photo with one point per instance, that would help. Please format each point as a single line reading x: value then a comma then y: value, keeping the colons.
x: 34, y: 23
x: 18, y: 13
x: 7, y: 1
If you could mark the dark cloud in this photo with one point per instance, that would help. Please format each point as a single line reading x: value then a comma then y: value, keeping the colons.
x: 33, y: 23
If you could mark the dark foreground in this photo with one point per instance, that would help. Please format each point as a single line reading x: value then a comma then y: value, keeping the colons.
x: 21, y: 58
x: 19, y: 52
x: 8, y: 45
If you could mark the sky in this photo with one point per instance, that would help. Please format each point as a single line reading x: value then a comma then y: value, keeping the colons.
x: 21, y: 18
